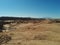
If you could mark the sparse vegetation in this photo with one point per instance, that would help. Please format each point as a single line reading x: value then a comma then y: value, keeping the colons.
x: 30, y: 31
x: 4, y: 38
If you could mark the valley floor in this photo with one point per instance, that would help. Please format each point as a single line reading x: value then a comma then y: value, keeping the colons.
x: 35, y: 34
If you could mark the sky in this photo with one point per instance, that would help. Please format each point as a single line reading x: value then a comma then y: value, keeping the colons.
x: 30, y: 8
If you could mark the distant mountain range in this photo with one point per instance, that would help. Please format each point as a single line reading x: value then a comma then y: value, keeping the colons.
x: 28, y: 19
x: 13, y: 18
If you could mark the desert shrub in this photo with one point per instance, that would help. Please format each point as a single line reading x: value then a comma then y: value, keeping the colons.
x: 40, y: 37
x: 11, y: 34
x: 4, y: 39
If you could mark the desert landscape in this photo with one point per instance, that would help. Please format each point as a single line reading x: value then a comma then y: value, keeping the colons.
x: 29, y: 31
x: 29, y: 22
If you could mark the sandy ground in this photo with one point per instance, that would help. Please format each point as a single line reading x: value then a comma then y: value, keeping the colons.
x: 35, y: 34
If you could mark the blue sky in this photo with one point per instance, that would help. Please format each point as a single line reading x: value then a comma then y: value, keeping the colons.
x: 30, y: 8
